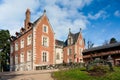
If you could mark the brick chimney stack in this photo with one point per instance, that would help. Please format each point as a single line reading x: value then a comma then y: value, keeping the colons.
x: 27, y: 20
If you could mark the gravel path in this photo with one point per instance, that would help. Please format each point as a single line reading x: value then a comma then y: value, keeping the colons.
x: 27, y: 75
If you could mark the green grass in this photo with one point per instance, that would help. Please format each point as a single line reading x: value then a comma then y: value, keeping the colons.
x: 77, y: 74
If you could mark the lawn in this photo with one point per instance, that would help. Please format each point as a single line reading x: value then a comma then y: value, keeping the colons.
x: 78, y: 74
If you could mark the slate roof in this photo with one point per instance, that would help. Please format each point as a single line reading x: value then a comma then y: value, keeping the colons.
x: 58, y: 42
x: 102, y: 47
x: 75, y: 38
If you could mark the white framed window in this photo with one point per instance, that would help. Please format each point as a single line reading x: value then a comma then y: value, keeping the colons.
x: 70, y: 40
x: 29, y: 55
x: 69, y: 51
x: 45, y: 41
x: 45, y: 56
x: 57, y: 56
x: 22, y: 57
x: 29, y: 39
x: 16, y: 46
x: 45, y: 28
x: 11, y: 49
x: 69, y: 60
x: 22, y: 43
x: 11, y: 60
x: 80, y: 42
x: 81, y: 51
x: 16, y: 58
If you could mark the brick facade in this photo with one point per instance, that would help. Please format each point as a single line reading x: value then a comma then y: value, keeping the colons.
x: 73, y: 51
x: 35, y: 45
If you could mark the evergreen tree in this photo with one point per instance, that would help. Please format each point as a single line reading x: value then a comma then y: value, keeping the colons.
x: 4, y: 50
x: 113, y: 40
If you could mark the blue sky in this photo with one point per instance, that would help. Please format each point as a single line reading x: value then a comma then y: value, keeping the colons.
x: 99, y: 19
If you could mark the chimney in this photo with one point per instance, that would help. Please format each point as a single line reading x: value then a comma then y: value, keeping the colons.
x: 27, y: 20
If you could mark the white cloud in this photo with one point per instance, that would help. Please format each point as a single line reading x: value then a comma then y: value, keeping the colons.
x: 62, y: 14
x: 12, y: 13
x: 100, y: 14
x: 117, y: 13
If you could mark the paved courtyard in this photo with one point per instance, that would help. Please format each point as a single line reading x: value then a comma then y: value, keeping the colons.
x: 27, y: 75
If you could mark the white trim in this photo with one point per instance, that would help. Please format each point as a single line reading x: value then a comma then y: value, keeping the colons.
x: 29, y: 39
x: 47, y: 56
x: 22, y: 42
x: 46, y: 44
x: 11, y: 48
x: 34, y: 47
x: 16, y: 46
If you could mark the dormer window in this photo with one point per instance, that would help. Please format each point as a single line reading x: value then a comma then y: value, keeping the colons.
x: 70, y: 40
x: 45, y: 28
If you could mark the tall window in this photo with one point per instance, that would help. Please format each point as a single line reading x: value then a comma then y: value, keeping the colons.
x: 29, y: 39
x: 80, y: 42
x: 58, y: 56
x: 11, y: 60
x: 29, y: 55
x: 16, y: 46
x: 11, y: 49
x: 70, y: 40
x: 45, y: 28
x: 22, y: 43
x: 45, y: 57
x: 22, y: 57
x: 81, y: 51
x: 45, y: 41
x: 69, y: 51
x: 16, y: 59
x: 69, y: 60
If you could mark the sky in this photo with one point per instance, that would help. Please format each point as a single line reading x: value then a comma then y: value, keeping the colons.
x: 99, y: 19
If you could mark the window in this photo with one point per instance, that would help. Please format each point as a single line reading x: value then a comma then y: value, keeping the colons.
x: 29, y: 39
x: 80, y: 42
x: 45, y: 28
x: 69, y: 51
x: 29, y: 55
x: 45, y: 41
x: 58, y: 56
x: 16, y: 59
x: 22, y: 57
x: 11, y: 49
x: 45, y: 57
x: 16, y: 46
x: 22, y: 43
x: 81, y: 51
x: 70, y: 40
x: 11, y: 60
x: 69, y: 60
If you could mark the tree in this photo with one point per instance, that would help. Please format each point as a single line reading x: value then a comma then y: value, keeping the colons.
x: 90, y: 44
x: 4, y: 50
x: 112, y: 40
x: 106, y: 42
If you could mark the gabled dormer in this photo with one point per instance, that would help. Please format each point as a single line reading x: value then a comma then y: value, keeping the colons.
x: 70, y: 38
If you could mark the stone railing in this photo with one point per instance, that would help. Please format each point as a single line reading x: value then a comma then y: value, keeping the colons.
x: 60, y: 66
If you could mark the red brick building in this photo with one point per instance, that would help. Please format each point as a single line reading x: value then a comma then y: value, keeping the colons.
x: 33, y: 45
x: 73, y: 47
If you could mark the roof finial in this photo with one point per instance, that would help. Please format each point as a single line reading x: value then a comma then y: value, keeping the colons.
x: 80, y: 29
x: 44, y: 10
x: 69, y: 30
